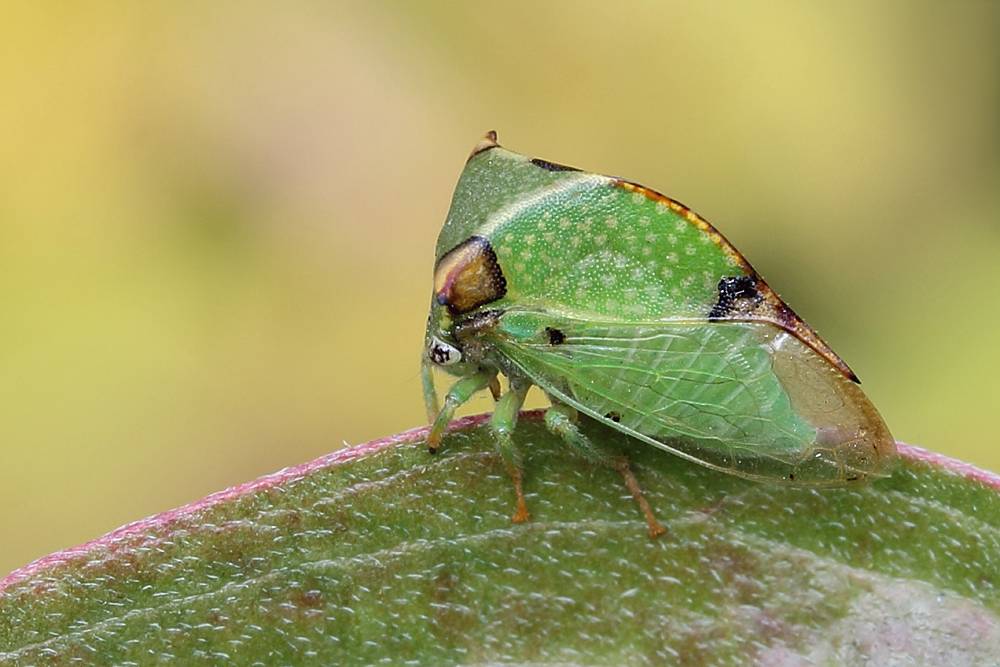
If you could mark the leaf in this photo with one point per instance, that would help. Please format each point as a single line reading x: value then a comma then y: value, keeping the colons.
x: 382, y: 553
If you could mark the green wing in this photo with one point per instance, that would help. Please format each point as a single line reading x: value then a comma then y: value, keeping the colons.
x: 744, y: 397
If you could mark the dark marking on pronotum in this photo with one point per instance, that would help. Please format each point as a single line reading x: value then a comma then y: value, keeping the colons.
x: 551, y: 166
x: 613, y: 416
x: 737, y: 294
x: 556, y: 337
x: 791, y: 477
x: 468, y: 276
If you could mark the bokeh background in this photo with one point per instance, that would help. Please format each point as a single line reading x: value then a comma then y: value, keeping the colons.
x: 217, y: 219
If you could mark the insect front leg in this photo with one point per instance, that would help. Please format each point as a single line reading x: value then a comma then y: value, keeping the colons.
x: 459, y: 393
x: 430, y: 393
x: 502, y: 425
x: 561, y: 420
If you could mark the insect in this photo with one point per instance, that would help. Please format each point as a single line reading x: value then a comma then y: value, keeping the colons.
x: 624, y: 305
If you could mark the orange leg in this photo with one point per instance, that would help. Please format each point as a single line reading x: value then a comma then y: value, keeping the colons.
x: 561, y: 420
x: 655, y: 527
x: 521, y: 512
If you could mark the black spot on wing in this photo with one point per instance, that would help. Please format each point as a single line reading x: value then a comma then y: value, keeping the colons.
x: 737, y: 295
x: 551, y: 166
x: 556, y: 337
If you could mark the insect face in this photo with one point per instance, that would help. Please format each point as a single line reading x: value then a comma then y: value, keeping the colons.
x: 440, y: 347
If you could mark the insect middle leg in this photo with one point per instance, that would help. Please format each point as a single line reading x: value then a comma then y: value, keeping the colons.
x: 561, y: 420
x: 502, y: 425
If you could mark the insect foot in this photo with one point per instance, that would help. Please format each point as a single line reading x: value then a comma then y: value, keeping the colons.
x: 654, y: 527
x: 521, y: 514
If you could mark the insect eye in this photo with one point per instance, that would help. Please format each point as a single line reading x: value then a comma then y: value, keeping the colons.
x: 442, y: 353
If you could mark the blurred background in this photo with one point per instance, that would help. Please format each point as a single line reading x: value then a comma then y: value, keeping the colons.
x: 217, y: 223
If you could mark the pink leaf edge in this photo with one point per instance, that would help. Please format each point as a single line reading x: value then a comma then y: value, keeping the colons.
x: 151, y: 526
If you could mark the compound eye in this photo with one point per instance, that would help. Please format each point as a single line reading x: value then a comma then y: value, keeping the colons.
x: 442, y: 353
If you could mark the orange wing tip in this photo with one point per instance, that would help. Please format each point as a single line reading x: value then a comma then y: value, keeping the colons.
x: 775, y: 310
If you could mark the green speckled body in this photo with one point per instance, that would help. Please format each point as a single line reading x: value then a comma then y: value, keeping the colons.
x: 626, y: 306
x: 581, y: 242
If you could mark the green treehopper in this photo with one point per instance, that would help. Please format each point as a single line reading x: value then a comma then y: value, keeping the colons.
x: 626, y: 306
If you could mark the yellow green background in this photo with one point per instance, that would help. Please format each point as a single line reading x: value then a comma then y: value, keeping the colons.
x: 217, y: 220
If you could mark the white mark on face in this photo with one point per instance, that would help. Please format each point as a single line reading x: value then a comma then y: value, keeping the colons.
x: 442, y: 353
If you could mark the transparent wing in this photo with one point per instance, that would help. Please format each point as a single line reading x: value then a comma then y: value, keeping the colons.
x: 743, y: 397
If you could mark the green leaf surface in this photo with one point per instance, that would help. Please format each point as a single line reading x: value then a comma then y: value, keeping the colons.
x: 385, y: 554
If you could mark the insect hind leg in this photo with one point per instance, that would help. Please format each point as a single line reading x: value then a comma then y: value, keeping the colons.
x: 502, y: 425
x: 561, y: 420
